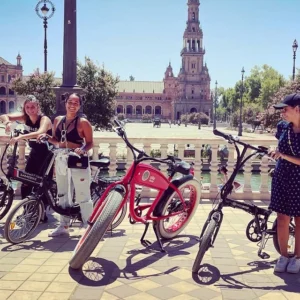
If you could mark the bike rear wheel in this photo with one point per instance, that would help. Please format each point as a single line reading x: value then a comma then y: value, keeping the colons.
x: 291, y: 241
x: 22, y: 220
x: 7, y: 197
x: 94, y: 233
x: 171, y: 227
x: 204, y: 244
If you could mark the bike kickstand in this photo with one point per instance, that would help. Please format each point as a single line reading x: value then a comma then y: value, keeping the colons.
x: 262, y: 245
x: 158, y: 237
x: 143, y: 241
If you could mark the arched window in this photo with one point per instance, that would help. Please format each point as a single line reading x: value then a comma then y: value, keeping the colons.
x: 11, y: 92
x: 148, y: 110
x: 138, y: 110
x: 194, y: 16
x: 2, y: 107
x: 120, y: 109
x: 9, y: 78
x: 157, y: 110
x: 2, y: 90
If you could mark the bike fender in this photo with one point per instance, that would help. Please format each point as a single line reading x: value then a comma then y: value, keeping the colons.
x: 165, y: 196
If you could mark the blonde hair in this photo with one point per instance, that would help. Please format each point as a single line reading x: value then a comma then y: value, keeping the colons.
x: 31, y: 98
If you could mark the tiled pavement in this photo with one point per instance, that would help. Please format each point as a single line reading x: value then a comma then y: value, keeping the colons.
x: 123, y: 269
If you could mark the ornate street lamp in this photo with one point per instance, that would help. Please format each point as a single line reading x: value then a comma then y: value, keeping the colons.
x: 241, y: 105
x: 215, y: 105
x: 295, y: 46
x: 45, y: 13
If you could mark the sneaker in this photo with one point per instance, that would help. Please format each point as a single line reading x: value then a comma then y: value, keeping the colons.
x: 60, y: 230
x: 281, y: 264
x: 294, y: 265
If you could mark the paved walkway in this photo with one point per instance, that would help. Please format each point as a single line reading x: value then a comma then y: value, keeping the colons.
x: 123, y: 269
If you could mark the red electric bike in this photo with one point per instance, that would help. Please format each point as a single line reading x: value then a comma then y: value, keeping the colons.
x: 170, y: 212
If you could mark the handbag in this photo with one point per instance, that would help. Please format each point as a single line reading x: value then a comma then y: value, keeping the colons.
x: 75, y: 162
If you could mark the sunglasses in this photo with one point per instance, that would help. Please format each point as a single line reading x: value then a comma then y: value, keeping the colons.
x: 63, y: 137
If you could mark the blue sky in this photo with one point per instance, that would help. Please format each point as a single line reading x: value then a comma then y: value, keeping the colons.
x: 140, y: 37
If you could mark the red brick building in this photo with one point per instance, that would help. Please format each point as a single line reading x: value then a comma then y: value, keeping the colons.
x: 8, y: 71
x: 188, y: 92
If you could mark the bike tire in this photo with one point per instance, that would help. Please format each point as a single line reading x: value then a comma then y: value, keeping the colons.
x: 30, y: 229
x: 6, y: 201
x: 171, y: 233
x: 275, y: 238
x: 204, y: 244
x: 94, y: 233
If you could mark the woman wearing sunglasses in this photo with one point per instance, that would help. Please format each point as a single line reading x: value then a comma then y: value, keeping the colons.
x: 72, y: 132
x: 35, y: 124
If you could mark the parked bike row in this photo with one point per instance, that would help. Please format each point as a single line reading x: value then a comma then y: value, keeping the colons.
x: 170, y: 212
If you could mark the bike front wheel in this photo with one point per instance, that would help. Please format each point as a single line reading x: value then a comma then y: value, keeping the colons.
x: 204, y: 244
x: 95, y: 232
x: 22, y: 220
x: 172, y: 226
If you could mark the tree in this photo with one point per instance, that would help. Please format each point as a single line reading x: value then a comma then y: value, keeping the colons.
x: 100, y: 89
x: 41, y: 86
x: 272, y: 116
x: 131, y: 78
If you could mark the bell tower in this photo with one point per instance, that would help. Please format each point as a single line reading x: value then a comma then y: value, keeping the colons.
x: 193, y: 78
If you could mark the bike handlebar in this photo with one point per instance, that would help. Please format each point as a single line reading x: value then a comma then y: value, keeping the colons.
x: 235, y: 139
x: 171, y: 160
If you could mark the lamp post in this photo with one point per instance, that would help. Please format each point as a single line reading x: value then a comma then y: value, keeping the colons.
x: 241, y: 105
x: 45, y: 13
x: 295, y: 46
x: 215, y: 105
x: 199, y: 117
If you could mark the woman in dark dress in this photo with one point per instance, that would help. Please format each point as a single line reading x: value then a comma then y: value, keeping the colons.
x: 35, y: 124
x: 285, y: 192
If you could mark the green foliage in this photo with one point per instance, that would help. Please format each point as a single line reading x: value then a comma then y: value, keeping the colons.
x: 41, y: 86
x: 155, y: 153
x: 194, y: 118
x: 99, y: 87
x: 272, y: 116
x: 131, y: 78
x: 234, y: 121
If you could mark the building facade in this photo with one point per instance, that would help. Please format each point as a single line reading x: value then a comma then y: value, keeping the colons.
x: 188, y: 92
x: 8, y: 71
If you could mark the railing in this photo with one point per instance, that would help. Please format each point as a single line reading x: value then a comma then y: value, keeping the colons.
x: 121, y: 157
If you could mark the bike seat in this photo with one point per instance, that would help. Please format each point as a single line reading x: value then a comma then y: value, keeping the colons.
x: 100, y: 163
x: 182, y: 167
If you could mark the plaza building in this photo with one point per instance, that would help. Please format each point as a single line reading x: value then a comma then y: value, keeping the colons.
x: 8, y: 98
x: 169, y: 99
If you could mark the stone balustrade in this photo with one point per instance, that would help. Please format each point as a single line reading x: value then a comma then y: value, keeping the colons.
x: 120, y: 155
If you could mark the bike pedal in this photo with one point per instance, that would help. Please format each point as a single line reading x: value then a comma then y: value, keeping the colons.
x: 264, y: 255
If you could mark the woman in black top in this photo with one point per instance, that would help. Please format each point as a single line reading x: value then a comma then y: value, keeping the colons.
x: 35, y: 124
x: 72, y: 132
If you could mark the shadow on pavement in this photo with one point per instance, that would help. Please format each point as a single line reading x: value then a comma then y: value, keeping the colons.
x: 100, y: 272
x: 209, y: 275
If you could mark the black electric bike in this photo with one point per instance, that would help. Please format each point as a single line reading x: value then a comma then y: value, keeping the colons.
x: 257, y: 229
x: 26, y: 215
